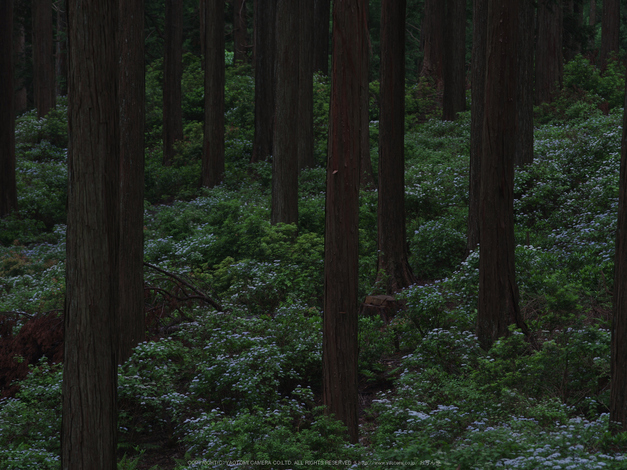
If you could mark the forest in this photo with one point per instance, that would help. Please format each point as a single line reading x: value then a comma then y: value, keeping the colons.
x: 284, y: 234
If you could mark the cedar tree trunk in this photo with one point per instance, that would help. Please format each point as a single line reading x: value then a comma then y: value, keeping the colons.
x: 454, y: 69
x: 549, y: 55
x: 305, y: 86
x: 432, y: 42
x: 43, y: 57
x: 240, y: 41
x: 322, y: 13
x: 172, y: 74
x: 610, y: 31
x: 524, y: 142
x: 8, y: 189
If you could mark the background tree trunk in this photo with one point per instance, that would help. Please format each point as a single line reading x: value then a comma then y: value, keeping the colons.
x: 593, y: 12
x: 391, y: 211
x: 21, y: 95
x: 610, y: 31
x: 264, y: 43
x: 131, y: 90
x: 479, y: 38
x: 322, y: 13
x: 213, y: 141
x: 8, y: 189
x: 240, y: 36
x: 498, y: 291
x: 90, y: 364
x: 61, y: 48
x: 618, y: 390
x: 366, y: 179
x: 286, y: 115
x: 454, y: 68
x: 172, y: 74
x: 43, y: 57
x: 339, y: 344
x: 432, y: 41
x: 524, y: 142
x: 305, y: 86
x: 549, y: 54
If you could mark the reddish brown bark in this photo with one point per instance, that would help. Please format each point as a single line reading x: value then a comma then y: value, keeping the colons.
x: 172, y: 74
x: 454, y: 68
x: 549, y: 55
x: 21, y: 95
x: 432, y: 42
x: 240, y: 35
x: 8, y: 189
x: 61, y: 49
x: 524, y: 141
x: 305, y: 86
x: 339, y: 348
x: 43, y: 57
x: 610, y: 31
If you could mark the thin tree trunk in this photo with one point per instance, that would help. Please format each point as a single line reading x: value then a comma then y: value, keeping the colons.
x: 8, y: 189
x: 549, y: 55
x: 172, y: 74
x: 213, y: 143
x: 43, y: 57
x: 366, y: 180
x: 265, y: 17
x: 305, y: 87
x: 524, y: 143
x: 610, y: 31
x: 454, y: 69
x: 21, y: 95
x: 286, y: 115
x: 240, y: 41
x: 593, y: 12
x: 432, y: 42
x: 131, y: 90
x: 90, y: 363
x: 322, y: 13
x: 498, y: 291
x: 339, y: 344
x: 392, y: 238
x: 61, y: 49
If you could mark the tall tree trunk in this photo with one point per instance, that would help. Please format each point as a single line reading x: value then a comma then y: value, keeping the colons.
x: 240, y: 42
x: 21, y: 95
x: 8, y: 189
x: 61, y: 48
x: 286, y: 125
x: 366, y: 179
x: 549, y: 55
x: 90, y: 363
x: 593, y: 12
x: 610, y: 31
x: 305, y: 86
x: 265, y: 41
x: 392, y: 238
x: 618, y: 390
x: 432, y: 42
x: 322, y: 13
x: 172, y: 74
x: 213, y: 142
x: 498, y: 291
x: 339, y: 344
x: 479, y: 38
x: 131, y: 91
x: 454, y: 69
x: 43, y: 57
x: 524, y: 142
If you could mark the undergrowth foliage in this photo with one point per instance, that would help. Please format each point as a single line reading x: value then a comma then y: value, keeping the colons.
x: 243, y: 383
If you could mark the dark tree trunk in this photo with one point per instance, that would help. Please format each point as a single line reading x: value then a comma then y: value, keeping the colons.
x: 265, y: 17
x: 322, y: 13
x: 213, y: 142
x: 391, y: 211
x: 286, y: 115
x: 240, y: 37
x: 21, y: 95
x: 498, y: 291
x: 454, y: 68
x: 305, y: 87
x: 131, y: 91
x: 339, y: 344
x: 593, y: 12
x: 366, y: 179
x: 432, y: 41
x: 172, y: 74
x: 618, y: 390
x: 524, y: 141
x: 61, y: 49
x: 8, y: 189
x: 43, y: 57
x: 479, y: 37
x: 549, y: 55
x: 89, y: 428
x: 610, y: 31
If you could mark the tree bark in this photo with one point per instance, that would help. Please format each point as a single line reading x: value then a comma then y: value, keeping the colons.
x: 618, y: 390
x: 89, y: 427
x: 286, y: 115
x: 131, y: 90
x: 172, y: 74
x: 366, y: 180
x: 498, y: 291
x: 392, y: 238
x: 593, y: 12
x: 479, y: 44
x: 322, y: 13
x: 305, y: 86
x: 8, y: 188
x: 213, y: 142
x: 524, y: 142
x: 43, y: 57
x: 264, y: 43
x: 610, y: 31
x: 454, y: 68
x: 61, y: 49
x: 240, y: 41
x: 549, y: 55
x: 339, y: 353
x: 432, y: 42
x: 21, y: 95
